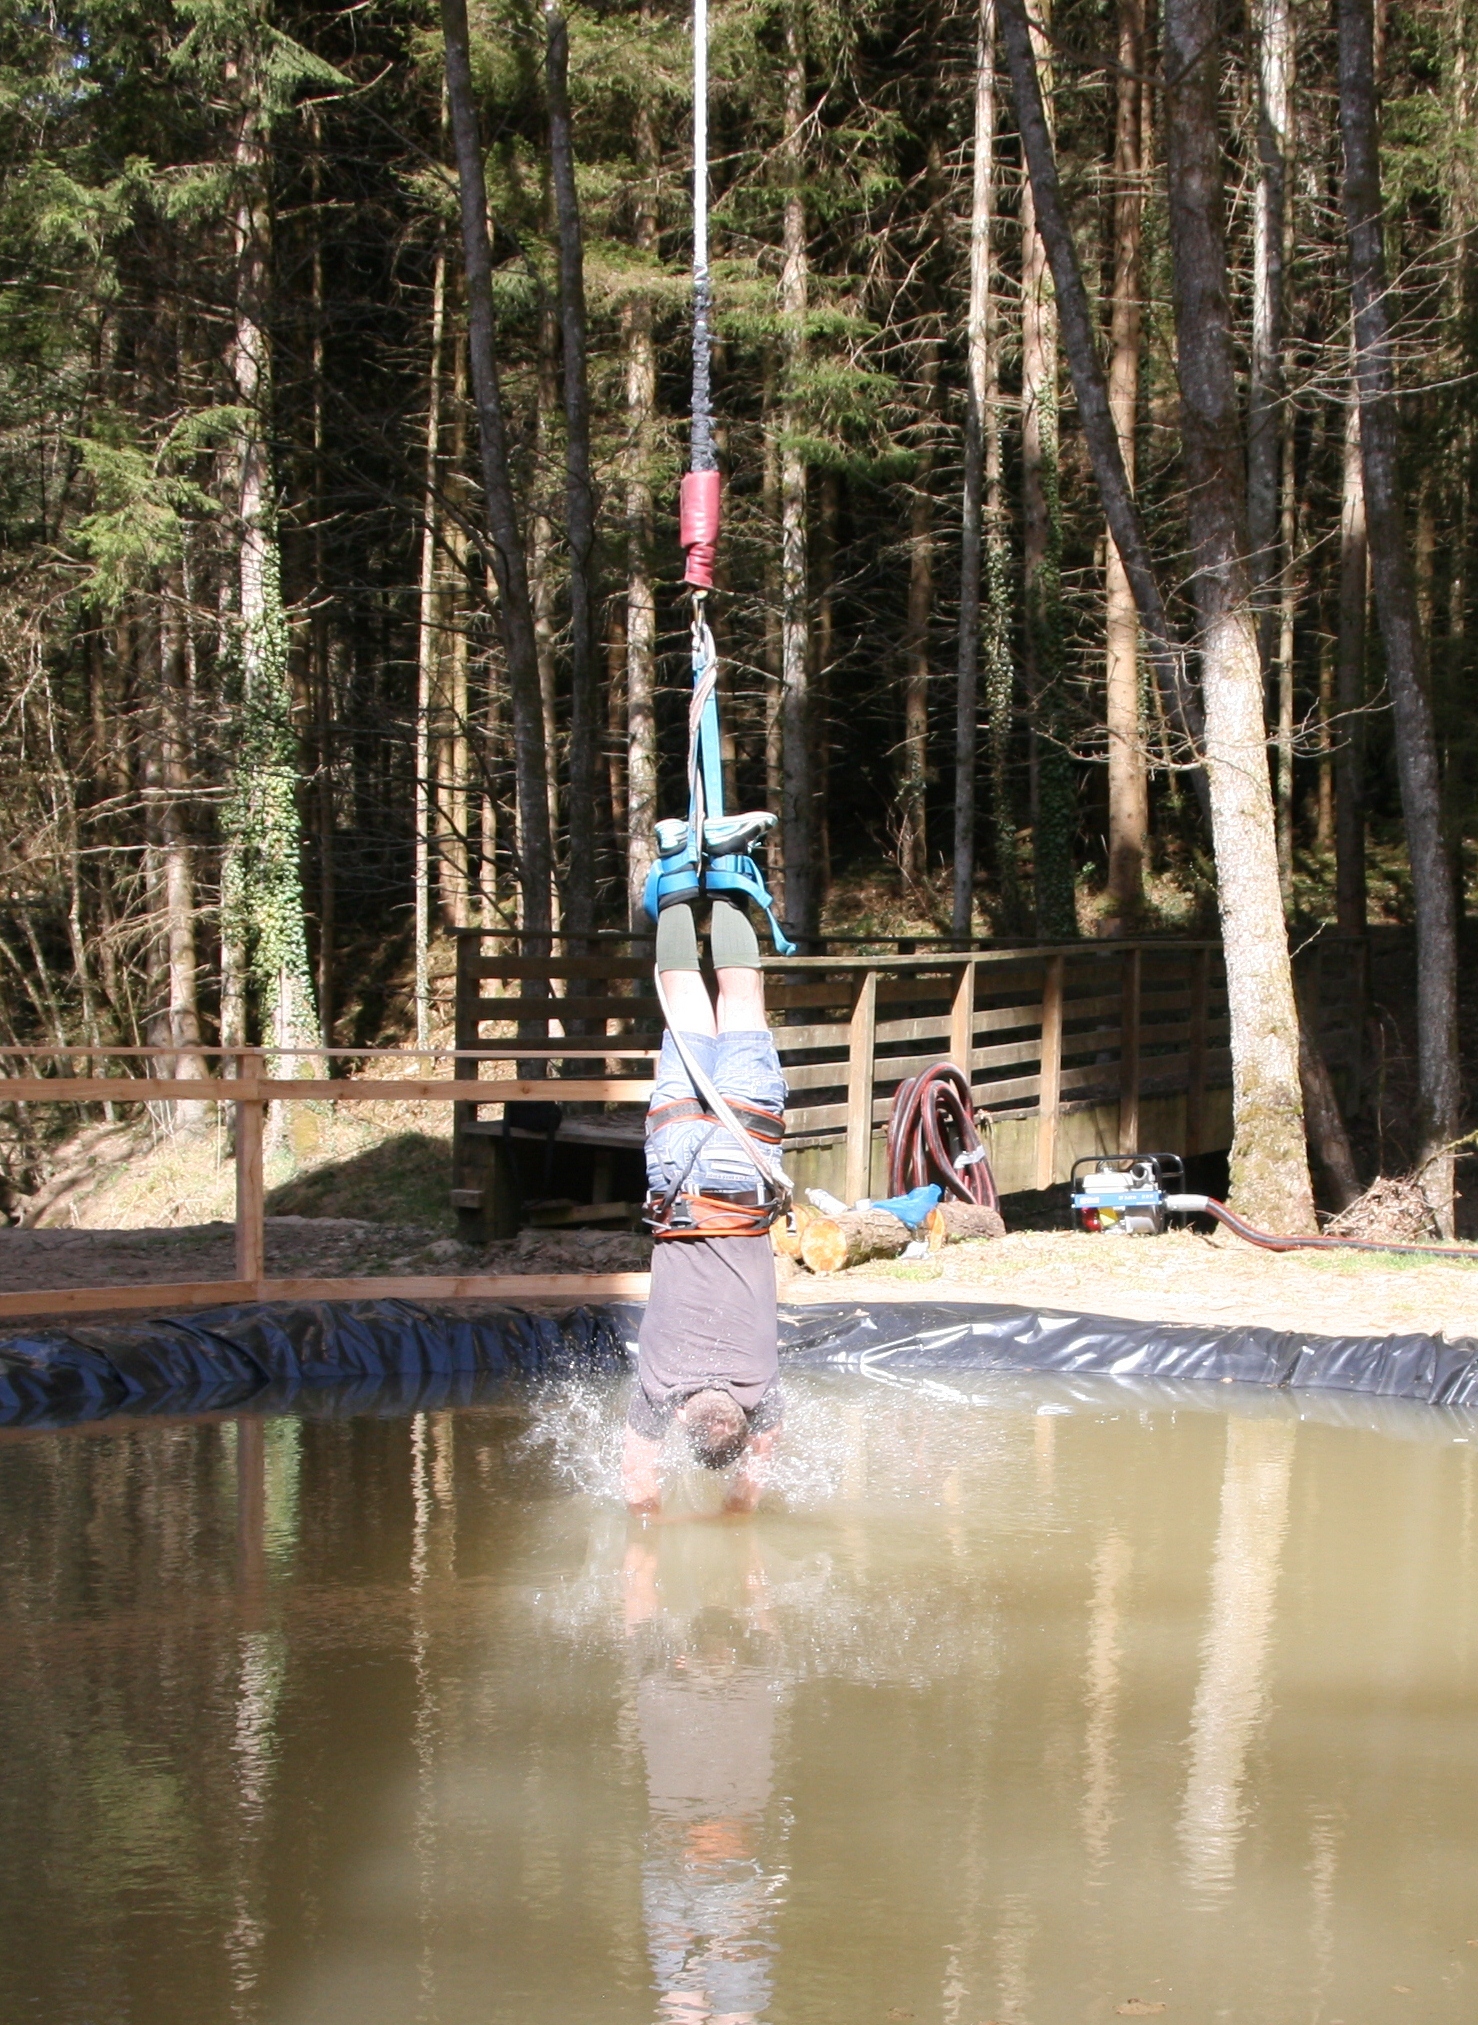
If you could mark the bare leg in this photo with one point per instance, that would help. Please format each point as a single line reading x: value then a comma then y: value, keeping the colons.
x: 688, y: 1001
x: 741, y: 1002
x: 683, y: 986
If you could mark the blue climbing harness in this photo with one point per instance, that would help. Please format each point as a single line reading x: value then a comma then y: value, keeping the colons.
x: 708, y: 853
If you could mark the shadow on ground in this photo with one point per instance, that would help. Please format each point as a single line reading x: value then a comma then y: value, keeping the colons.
x: 404, y: 1180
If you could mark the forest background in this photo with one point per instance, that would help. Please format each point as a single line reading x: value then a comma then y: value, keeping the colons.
x: 270, y: 725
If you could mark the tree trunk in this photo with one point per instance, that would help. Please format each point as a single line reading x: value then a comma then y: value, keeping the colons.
x: 771, y: 425
x: 1270, y: 1174
x: 824, y: 646
x: 1438, y: 1078
x: 262, y: 885
x: 1286, y: 612
x: 913, y: 785
x: 1349, y: 684
x: 579, y: 490
x: 1095, y: 417
x: 177, y: 855
x: 641, y: 605
x: 1128, y: 779
x: 515, y: 609
x: 797, y: 787
x: 452, y: 787
x: 1054, y: 813
x: 967, y: 659
x: 428, y: 649
x: 1265, y: 380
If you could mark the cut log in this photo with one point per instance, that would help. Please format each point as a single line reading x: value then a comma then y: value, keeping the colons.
x: 957, y: 1220
x: 786, y: 1235
x: 830, y: 1243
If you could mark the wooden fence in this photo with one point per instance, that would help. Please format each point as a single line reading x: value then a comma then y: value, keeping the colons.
x: 1045, y: 1031
x: 1096, y: 1031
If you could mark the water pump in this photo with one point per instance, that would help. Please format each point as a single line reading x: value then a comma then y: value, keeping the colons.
x: 1127, y: 1193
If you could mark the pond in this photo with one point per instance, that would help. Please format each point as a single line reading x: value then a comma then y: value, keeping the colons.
x: 1021, y: 1701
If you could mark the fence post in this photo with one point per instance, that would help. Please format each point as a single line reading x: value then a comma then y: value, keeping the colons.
x: 1049, y: 1099
x: 962, y: 1021
x: 861, y: 1046
x: 250, y: 1196
x: 1195, y: 1098
x: 1129, y: 1051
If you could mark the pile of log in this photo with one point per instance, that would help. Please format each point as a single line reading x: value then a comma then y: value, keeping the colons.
x: 829, y: 1244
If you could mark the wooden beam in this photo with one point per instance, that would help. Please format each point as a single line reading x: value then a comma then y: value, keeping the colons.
x: 962, y: 1021
x: 516, y: 1288
x: 250, y: 1193
x: 861, y: 1046
x: 1129, y: 1053
x: 1049, y: 1099
x: 305, y: 1089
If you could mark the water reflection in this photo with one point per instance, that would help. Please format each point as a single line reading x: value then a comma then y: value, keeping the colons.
x: 378, y: 1721
x: 706, y: 1708
x: 1232, y: 1692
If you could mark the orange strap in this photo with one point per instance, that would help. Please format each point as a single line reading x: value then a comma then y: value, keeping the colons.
x: 708, y: 1216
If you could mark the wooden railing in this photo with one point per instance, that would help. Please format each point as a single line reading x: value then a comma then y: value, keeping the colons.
x: 249, y: 1090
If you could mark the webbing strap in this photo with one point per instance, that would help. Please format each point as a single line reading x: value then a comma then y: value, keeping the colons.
x: 689, y: 1215
x: 759, y: 1124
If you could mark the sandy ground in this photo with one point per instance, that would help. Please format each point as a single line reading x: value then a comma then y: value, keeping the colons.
x: 1184, y: 1278
x: 1175, y: 1278
x: 298, y: 1247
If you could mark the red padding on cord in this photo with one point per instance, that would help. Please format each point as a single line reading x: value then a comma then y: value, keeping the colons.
x: 698, y: 503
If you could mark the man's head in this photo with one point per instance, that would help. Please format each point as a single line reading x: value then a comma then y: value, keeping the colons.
x: 717, y: 1427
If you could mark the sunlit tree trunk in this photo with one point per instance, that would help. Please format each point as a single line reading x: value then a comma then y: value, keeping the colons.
x: 1274, y: 47
x: 641, y: 605
x: 1349, y: 684
x: 1128, y: 780
x: 972, y: 506
x: 1438, y: 1074
x: 1269, y: 1163
x: 797, y: 813
x: 1054, y: 815
x: 428, y: 654
x: 515, y: 609
x: 579, y: 490
x: 913, y: 785
x: 262, y: 888
x: 177, y: 853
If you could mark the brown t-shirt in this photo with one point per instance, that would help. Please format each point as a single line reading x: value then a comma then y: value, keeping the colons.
x: 710, y: 1321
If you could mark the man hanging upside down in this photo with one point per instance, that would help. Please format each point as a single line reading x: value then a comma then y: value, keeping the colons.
x: 706, y: 1353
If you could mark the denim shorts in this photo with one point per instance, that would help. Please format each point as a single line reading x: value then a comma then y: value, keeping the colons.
x: 742, y: 1066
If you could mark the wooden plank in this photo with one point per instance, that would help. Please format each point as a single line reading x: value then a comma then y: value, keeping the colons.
x: 167, y: 1298
x: 560, y: 966
x: 512, y: 1010
x: 1129, y: 1055
x: 861, y: 1046
x: 962, y: 1020
x: 1195, y: 1103
x: 250, y: 1191
x: 305, y: 1089
x: 1051, y: 1074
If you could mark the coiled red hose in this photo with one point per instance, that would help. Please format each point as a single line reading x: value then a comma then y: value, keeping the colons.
x: 1269, y: 1243
x: 932, y: 1137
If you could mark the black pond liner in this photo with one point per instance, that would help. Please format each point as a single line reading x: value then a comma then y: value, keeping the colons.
x: 394, y: 1356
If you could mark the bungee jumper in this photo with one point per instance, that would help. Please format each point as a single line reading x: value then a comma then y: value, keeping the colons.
x: 707, y: 1351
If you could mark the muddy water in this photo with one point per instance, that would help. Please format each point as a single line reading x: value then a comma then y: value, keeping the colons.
x: 1033, y: 1707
